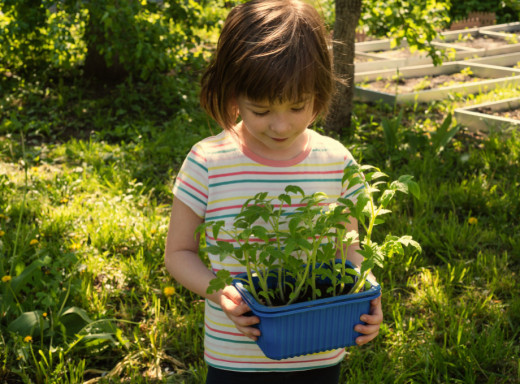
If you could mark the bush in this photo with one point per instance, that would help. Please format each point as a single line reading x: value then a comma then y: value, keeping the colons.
x: 507, y: 11
x: 112, y: 38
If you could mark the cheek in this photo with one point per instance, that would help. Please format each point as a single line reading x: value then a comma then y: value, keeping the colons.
x: 252, y: 124
x: 307, y: 120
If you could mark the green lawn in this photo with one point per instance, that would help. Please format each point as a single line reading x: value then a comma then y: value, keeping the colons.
x: 85, y: 191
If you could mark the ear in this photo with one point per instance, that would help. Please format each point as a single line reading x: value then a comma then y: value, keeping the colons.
x: 233, y: 107
x: 316, y: 113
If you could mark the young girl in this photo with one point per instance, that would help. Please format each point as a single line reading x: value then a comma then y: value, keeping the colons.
x: 272, y: 72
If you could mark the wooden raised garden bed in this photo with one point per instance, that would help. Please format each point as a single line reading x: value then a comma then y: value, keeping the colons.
x: 510, y: 31
x: 401, y: 56
x: 484, y: 44
x: 426, y: 83
x: 503, y: 115
x: 510, y: 60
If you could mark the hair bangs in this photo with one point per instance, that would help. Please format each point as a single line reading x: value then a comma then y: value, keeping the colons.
x: 285, y: 64
x: 278, y: 79
x: 269, y: 50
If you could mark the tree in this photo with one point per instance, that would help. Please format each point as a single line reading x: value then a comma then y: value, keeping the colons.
x: 347, y: 17
x: 108, y: 39
x: 416, y: 21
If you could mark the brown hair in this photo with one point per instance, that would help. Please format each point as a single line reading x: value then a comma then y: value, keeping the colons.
x: 275, y: 50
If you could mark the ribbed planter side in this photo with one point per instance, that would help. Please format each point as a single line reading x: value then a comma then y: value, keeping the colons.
x: 310, y: 326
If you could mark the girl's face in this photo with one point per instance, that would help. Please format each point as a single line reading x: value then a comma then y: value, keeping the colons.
x: 275, y: 131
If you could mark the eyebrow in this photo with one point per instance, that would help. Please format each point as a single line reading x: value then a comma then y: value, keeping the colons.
x: 253, y: 104
x: 256, y: 105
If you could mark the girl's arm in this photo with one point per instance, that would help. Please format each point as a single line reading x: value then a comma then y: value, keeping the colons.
x: 181, y: 254
x: 182, y: 260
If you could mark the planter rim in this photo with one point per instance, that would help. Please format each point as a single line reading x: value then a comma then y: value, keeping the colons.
x: 374, y: 290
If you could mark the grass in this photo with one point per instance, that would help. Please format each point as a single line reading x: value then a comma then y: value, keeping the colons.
x: 85, y: 192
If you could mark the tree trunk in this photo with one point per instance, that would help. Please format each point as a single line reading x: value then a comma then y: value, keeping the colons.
x: 347, y: 17
x: 96, y: 64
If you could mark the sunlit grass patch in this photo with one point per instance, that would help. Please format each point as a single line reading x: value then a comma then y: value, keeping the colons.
x: 83, y: 221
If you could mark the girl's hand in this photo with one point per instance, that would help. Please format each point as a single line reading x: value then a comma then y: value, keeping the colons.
x: 235, y: 308
x: 373, y: 322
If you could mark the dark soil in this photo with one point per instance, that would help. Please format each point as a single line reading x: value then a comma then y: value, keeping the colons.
x: 510, y: 114
x: 307, y: 296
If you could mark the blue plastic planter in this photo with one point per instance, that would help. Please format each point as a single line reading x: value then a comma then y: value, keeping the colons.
x: 311, y: 326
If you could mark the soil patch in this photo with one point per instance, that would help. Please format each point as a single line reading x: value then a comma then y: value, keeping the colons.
x: 363, y: 59
x: 400, y: 53
x: 508, y: 113
x: 325, y: 290
x: 415, y: 84
x: 482, y: 42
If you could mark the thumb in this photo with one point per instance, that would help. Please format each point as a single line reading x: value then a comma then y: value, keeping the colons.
x: 232, y: 294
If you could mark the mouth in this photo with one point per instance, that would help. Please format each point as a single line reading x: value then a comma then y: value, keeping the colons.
x: 279, y: 140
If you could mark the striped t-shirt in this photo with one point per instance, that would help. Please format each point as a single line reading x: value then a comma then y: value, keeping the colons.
x: 216, y: 179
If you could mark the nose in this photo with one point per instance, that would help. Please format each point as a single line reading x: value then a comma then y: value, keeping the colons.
x: 280, y: 124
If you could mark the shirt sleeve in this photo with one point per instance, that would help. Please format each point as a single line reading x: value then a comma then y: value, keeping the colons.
x: 191, y: 183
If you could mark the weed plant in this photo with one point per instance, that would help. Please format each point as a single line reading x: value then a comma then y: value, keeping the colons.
x: 85, y: 180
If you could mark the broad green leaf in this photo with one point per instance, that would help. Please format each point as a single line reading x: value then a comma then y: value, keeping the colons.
x: 216, y: 228
x: 412, y: 186
x: 74, y: 320
x: 28, y: 323
x: 28, y: 273
x: 284, y: 198
x: 351, y: 237
x: 408, y: 241
x: 225, y: 246
x: 304, y: 243
x: 295, y: 190
x: 78, y: 312
x: 386, y: 197
x: 399, y: 186
x: 375, y: 175
x: 365, y: 167
x: 260, y: 232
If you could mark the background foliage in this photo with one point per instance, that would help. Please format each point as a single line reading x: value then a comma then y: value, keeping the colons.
x: 86, y: 170
x: 507, y: 11
x: 137, y: 38
x: 382, y: 18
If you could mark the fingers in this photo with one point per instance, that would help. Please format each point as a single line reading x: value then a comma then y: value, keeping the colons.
x: 373, y: 323
x: 238, y: 311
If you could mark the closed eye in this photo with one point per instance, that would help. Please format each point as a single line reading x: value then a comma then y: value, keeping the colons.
x: 260, y: 113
